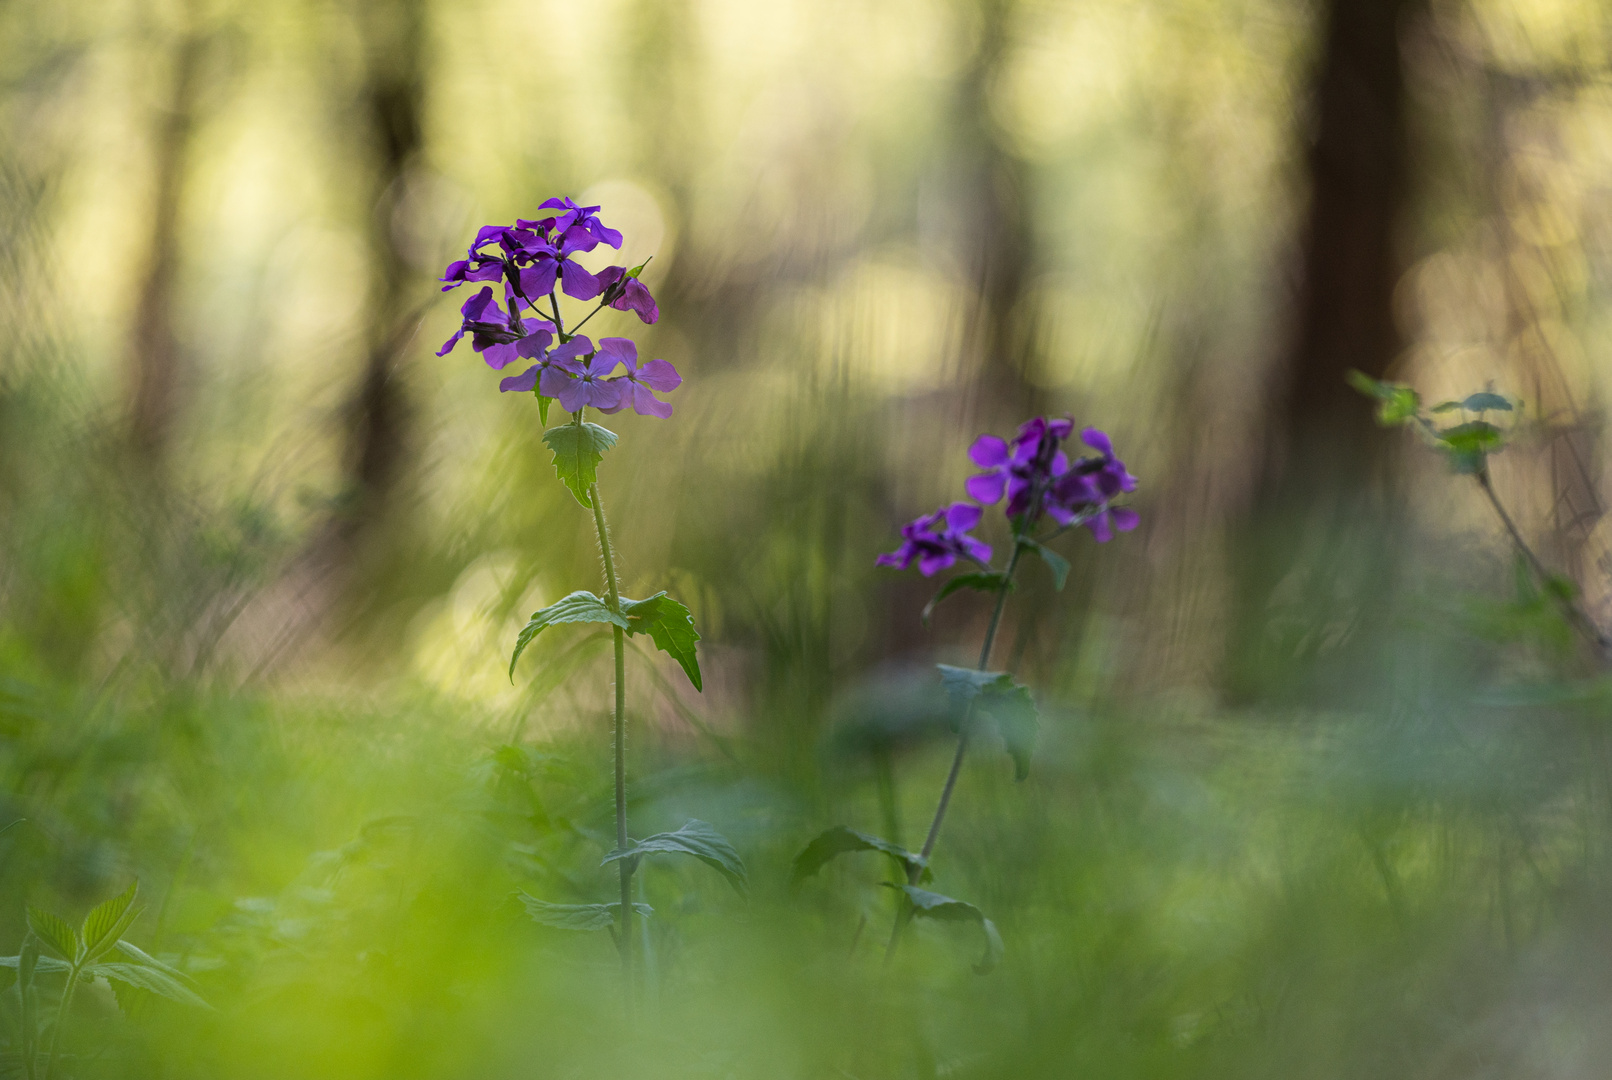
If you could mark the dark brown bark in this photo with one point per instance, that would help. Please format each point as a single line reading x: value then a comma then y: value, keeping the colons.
x: 154, y: 361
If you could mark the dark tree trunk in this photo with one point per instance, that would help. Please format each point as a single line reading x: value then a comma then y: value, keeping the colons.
x: 1317, y: 542
x: 154, y: 361
x: 379, y: 413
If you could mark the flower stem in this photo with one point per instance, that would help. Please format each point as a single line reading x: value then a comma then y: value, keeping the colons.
x: 625, y: 866
x: 61, y: 1018
x: 1574, y: 614
x: 904, y: 913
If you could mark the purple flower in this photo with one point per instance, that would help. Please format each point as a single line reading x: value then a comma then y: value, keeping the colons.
x: 494, y: 332
x: 627, y: 293
x: 1085, y: 490
x: 584, y: 218
x: 1020, y: 469
x: 536, y: 348
x: 541, y: 262
x: 938, y: 540
x: 638, y: 386
x: 581, y: 380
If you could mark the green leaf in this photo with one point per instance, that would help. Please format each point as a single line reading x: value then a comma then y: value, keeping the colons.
x: 989, y: 581
x: 578, y: 449
x: 841, y: 840
x: 1009, y: 705
x: 41, y: 963
x: 140, y: 956
x: 1470, y: 444
x: 543, y: 404
x: 156, y: 980
x: 583, y: 607
x: 1396, y: 404
x: 1055, y: 562
x: 670, y: 626
x: 932, y: 905
x: 1445, y: 406
x: 55, y: 932
x: 1484, y: 401
x: 695, y: 838
x: 577, y: 916
x: 107, y: 922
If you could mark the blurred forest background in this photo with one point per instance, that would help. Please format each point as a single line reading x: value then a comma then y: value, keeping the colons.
x: 1324, y: 788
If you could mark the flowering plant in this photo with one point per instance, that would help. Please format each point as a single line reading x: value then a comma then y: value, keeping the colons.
x: 1040, y: 483
x: 534, y: 261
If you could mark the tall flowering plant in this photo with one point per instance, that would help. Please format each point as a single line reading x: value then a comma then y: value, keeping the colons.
x: 514, y: 319
x: 1044, y: 493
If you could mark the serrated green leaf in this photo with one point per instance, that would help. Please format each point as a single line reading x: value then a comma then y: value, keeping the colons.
x: 1055, y: 562
x: 107, y: 922
x: 695, y: 838
x: 55, y: 932
x: 156, y: 980
x: 1008, y: 705
x: 932, y: 905
x: 979, y: 580
x: 841, y: 840
x: 670, y: 626
x: 577, y: 916
x: 138, y: 955
x: 578, y: 449
x: 580, y: 606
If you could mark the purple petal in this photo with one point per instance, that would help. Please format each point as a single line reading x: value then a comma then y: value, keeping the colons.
x: 556, y: 203
x: 645, y: 403
x: 485, y: 235
x: 929, y: 563
x: 635, y: 297
x: 454, y: 275
x: 601, y: 364
x: 623, y: 349
x: 1061, y: 514
x: 899, y: 559
x: 1125, y: 519
x: 573, y: 393
x: 602, y: 395
x: 500, y: 356
x: 977, y: 549
x: 1061, y: 428
x: 447, y: 346
x: 605, y: 233
x: 1099, y: 527
x: 555, y: 381
x: 1060, y: 463
x: 660, y: 375
x: 534, y: 346
x: 538, y: 279
x: 476, y: 305
x: 577, y: 282
x: 988, y: 451
x: 526, y: 380
x: 962, y: 516
x: 1098, y: 441
x: 580, y: 345
x: 986, y: 488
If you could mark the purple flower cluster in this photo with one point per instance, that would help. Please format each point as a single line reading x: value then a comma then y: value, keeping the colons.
x: 533, y: 259
x: 938, y: 540
x: 1037, y: 478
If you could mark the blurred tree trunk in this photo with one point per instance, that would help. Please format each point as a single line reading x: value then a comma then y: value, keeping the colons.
x: 1314, y: 540
x: 378, y: 413
x: 993, y: 202
x: 154, y: 361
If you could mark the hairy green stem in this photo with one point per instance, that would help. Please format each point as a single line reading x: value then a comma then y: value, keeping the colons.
x: 915, y: 872
x: 61, y: 1018
x: 625, y: 866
